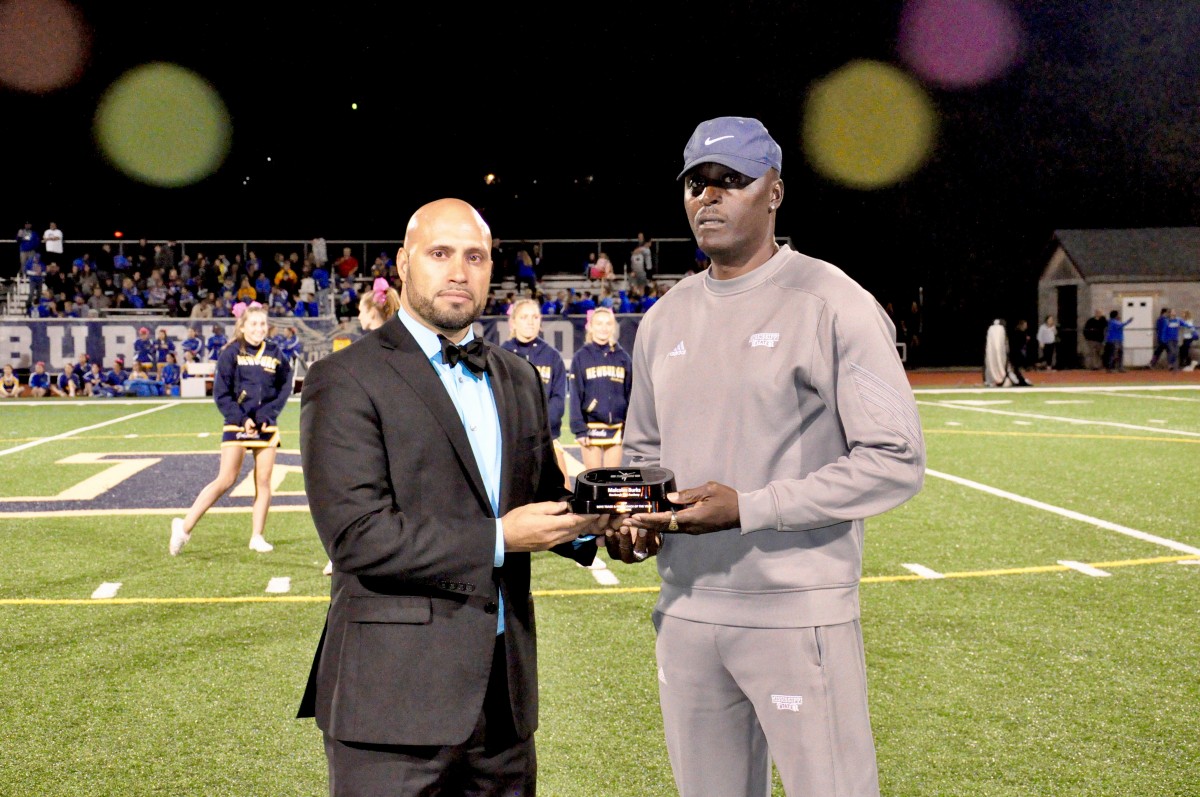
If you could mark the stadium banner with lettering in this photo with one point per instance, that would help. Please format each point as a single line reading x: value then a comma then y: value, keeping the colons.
x: 24, y: 342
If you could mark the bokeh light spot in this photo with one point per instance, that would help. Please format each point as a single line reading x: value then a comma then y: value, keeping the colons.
x: 163, y: 125
x: 868, y: 125
x: 959, y: 43
x: 44, y: 44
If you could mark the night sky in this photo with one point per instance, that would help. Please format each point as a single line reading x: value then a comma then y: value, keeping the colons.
x: 582, y: 113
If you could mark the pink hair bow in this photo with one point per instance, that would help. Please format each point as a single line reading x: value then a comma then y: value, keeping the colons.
x: 242, y: 307
x: 379, y: 289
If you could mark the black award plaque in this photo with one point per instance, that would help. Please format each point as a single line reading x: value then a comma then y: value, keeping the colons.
x: 604, y: 491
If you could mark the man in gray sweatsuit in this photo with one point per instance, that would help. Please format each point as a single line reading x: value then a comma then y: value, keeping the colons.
x: 771, y: 386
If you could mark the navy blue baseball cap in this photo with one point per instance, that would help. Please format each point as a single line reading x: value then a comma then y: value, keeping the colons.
x: 739, y: 142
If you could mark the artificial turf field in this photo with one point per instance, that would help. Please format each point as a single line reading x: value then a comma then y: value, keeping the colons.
x: 1030, y: 617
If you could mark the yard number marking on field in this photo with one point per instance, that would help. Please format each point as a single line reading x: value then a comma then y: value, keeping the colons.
x: 106, y: 590
x: 921, y: 570
x: 82, y: 429
x: 1067, y: 513
x: 279, y: 584
x: 1087, y: 570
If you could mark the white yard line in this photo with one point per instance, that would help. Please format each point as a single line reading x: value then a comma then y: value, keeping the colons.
x: 106, y: 590
x: 1076, y: 421
x: 1152, y: 398
x: 1119, y: 391
x: 73, y: 432
x: 1067, y: 513
x: 921, y: 570
x: 1087, y: 570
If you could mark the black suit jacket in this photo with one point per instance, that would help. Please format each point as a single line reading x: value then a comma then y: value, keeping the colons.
x: 400, y: 506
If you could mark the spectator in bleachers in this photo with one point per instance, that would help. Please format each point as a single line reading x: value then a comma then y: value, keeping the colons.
x: 78, y: 308
x: 98, y: 301
x: 67, y: 384
x: 279, y: 304
x: 37, y: 279
x: 246, y: 292
x: 130, y: 296
x: 46, y: 305
x: 27, y: 242
x: 39, y: 380
x: 650, y: 298
x: 526, y: 274
x: 202, y: 309
x: 581, y: 303
x: 287, y: 278
x: 10, y: 384
x: 221, y: 308
x: 346, y: 266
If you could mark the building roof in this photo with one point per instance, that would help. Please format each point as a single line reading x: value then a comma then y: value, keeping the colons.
x: 1135, y: 255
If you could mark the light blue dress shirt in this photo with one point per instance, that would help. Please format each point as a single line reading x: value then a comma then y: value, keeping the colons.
x: 472, y: 397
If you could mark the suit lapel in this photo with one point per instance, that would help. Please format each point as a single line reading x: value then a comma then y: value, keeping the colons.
x: 411, y: 364
x: 506, y: 405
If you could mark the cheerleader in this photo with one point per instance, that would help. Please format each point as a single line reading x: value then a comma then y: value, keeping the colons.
x: 378, y: 305
x: 250, y: 388
x: 170, y: 373
x: 39, y: 380
x: 524, y: 329
x: 375, y: 307
x: 602, y: 375
x: 10, y: 384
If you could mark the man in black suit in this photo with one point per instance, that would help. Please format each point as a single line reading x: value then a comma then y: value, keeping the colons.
x: 431, y: 476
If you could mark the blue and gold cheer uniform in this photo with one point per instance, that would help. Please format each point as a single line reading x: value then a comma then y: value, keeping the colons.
x: 601, y: 377
x: 251, y: 383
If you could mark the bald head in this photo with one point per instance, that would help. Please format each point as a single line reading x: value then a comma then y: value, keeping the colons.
x: 446, y: 266
x: 445, y: 213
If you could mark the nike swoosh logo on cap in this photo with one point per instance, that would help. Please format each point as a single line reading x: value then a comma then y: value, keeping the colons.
x: 708, y: 142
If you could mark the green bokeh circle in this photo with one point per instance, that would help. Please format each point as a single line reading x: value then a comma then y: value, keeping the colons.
x: 163, y: 125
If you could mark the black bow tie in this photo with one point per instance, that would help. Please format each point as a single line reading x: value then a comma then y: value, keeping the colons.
x: 473, y: 355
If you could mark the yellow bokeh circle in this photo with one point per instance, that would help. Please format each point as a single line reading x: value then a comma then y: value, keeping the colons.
x: 163, y: 125
x: 868, y: 125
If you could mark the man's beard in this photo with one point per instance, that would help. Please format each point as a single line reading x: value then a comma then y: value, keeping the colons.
x: 452, y: 320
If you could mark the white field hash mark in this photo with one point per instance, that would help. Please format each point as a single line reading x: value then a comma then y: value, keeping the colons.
x: 921, y: 570
x: 106, y: 590
x: 279, y: 584
x: 1087, y: 570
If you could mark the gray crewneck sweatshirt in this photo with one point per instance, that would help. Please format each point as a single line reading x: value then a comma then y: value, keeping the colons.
x: 784, y: 384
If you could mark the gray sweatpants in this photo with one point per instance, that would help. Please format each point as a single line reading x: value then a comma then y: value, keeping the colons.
x: 734, y: 699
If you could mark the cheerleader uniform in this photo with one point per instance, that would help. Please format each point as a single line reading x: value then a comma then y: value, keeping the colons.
x: 602, y: 377
x: 11, y: 384
x: 553, y: 371
x: 251, y: 383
